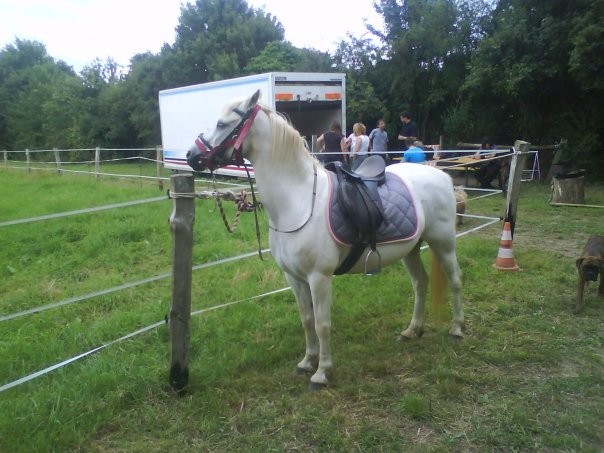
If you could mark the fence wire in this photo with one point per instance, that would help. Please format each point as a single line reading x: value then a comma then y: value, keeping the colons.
x: 76, y: 299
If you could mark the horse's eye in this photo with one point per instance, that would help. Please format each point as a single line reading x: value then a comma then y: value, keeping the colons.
x: 220, y: 125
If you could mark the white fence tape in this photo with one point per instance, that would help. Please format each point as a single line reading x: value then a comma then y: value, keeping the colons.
x: 102, y: 292
x: 56, y: 366
x: 81, y: 211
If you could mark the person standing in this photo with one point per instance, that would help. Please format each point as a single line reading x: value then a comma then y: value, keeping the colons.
x: 378, y: 140
x: 488, y: 170
x: 408, y: 131
x: 359, y: 145
x: 332, y: 144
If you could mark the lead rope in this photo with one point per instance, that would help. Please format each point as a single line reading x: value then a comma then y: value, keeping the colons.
x: 242, y: 206
x: 231, y: 228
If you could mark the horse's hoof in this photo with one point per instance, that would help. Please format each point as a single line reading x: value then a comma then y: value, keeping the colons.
x: 405, y: 336
x: 455, y: 337
x: 316, y: 386
x: 302, y: 372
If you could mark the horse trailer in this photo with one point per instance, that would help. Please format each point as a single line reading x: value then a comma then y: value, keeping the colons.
x: 311, y: 102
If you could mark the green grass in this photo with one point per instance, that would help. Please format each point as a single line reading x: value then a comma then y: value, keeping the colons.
x: 528, y: 376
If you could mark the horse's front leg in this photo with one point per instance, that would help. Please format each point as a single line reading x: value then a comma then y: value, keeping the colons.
x: 303, y: 295
x: 320, y: 287
x: 419, y: 281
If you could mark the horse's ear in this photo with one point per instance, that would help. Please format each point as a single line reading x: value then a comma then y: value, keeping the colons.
x: 253, y: 100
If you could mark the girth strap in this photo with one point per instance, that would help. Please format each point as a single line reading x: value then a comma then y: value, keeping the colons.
x: 351, y: 259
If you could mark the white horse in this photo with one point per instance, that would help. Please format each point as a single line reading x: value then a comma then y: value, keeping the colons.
x: 295, y: 191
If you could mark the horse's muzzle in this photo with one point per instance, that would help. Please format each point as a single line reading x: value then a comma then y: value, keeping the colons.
x: 197, y: 160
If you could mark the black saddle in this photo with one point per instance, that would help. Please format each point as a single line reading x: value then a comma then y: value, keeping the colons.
x: 371, y: 169
x: 360, y: 201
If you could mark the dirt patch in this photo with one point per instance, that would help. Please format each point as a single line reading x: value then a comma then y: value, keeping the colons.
x: 563, y: 248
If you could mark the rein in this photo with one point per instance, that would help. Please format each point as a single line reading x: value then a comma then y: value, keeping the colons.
x: 312, y: 206
x: 249, y: 178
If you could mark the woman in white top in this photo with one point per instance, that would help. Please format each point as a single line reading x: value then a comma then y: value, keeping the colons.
x: 359, y: 145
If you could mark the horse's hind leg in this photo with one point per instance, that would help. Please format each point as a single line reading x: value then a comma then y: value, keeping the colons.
x: 419, y: 280
x: 301, y: 290
x: 444, y: 250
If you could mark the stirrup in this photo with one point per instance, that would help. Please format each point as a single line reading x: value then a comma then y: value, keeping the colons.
x: 379, y: 266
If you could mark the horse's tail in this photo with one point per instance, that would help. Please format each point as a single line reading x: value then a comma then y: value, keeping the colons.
x: 438, y: 288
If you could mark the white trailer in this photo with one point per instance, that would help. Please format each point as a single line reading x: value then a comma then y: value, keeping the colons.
x: 311, y: 101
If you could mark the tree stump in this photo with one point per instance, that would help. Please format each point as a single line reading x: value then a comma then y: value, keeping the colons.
x: 568, y: 188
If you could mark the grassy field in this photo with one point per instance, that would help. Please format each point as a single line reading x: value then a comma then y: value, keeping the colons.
x: 528, y: 376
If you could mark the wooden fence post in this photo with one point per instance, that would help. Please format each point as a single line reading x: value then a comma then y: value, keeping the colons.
x: 5, y: 159
x: 58, y: 160
x: 181, y: 225
x: 97, y: 162
x: 159, y: 163
x: 28, y: 160
x: 518, y: 163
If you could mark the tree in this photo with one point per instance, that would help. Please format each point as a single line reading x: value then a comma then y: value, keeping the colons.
x: 428, y: 44
x: 534, y: 77
x: 61, y: 110
x: 357, y: 58
x: 36, y: 94
x: 217, y: 39
x: 283, y: 56
x: 146, y: 78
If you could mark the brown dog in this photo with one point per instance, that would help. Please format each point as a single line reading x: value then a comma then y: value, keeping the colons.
x: 589, y: 265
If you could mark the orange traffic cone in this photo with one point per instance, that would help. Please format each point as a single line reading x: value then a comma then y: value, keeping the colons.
x: 505, y: 258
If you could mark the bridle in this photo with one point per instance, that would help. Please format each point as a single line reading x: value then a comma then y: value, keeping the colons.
x: 212, y: 157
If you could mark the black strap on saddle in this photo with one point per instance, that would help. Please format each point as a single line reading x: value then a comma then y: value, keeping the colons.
x: 361, y: 204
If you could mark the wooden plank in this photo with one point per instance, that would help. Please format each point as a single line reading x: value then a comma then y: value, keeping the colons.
x: 576, y: 205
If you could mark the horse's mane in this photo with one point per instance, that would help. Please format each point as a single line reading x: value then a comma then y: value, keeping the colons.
x: 287, y: 141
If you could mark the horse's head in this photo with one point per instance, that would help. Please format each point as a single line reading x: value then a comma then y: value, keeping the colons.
x: 224, y: 144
